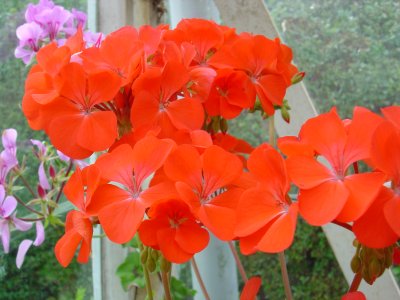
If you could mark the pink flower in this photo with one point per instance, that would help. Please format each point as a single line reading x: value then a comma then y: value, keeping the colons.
x: 26, y: 244
x: 7, y: 206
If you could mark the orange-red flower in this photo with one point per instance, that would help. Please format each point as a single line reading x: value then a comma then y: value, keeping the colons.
x: 330, y: 192
x: 78, y: 232
x: 202, y: 181
x: 173, y: 229
x: 230, y: 93
x: 265, y: 62
x: 266, y: 219
x: 385, y: 157
x: 78, y: 229
x: 157, y: 104
x: 121, y: 203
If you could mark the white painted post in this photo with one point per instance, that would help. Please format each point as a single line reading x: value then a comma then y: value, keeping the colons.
x: 253, y: 16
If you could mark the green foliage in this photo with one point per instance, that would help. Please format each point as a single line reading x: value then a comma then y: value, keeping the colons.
x: 179, y: 291
x: 349, y: 49
x: 130, y: 271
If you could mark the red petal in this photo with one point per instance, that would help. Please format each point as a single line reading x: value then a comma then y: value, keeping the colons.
x: 372, y: 229
x: 323, y: 203
x: 149, y: 154
x: 121, y: 219
x: 279, y: 235
x: 268, y: 166
x: 97, y: 130
x: 354, y: 296
x: 392, y: 213
x: 170, y: 248
x: 148, y: 232
x: 392, y: 113
x: 66, y: 247
x: 184, y: 165
x: 186, y: 113
x: 331, y: 145
x: 251, y: 288
x: 306, y: 172
x: 385, y: 149
x: 191, y: 237
x: 73, y: 190
x: 107, y: 194
x: 363, y: 189
x: 220, y: 220
x: 256, y: 208
x: 361, y: 130
x: 219, y: 168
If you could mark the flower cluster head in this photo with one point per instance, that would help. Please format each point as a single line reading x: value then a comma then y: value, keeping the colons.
x: 47, y: 22
x: 157, y: 101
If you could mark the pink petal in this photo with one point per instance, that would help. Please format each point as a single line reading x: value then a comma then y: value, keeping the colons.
x: 40, y: 235
x: 8, y: 206
x: 21, y: 225
x: 2, y: 193
x: 9, y: 138
x: 41, y: 147
x: 44, y: 182
x: 22, y: 249
x: 5, y: 235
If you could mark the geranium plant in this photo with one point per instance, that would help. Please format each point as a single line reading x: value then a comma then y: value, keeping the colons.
x: 155, y: 103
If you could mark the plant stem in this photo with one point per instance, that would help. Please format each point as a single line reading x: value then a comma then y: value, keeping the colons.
x: 238, y: 262
x: 199, y: 279
x: 146, y: 277
x: 271, y: 131
x: 165, y: 281
x: 355, y: 167
x: 26, y: 206
x: 344, y: 225
x: 285, y: 276
x: 63, y: 184
x: 356, y: 282
x: 26, y: 183
x: 32, y: 219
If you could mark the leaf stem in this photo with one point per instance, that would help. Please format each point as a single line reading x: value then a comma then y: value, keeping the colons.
x: 271, y: 131
x: 199, y: 279
x: 63, y: 184
x: 26, y: 183
x: 26, y: 206
x: 239, y: 264
x: 285, y: 276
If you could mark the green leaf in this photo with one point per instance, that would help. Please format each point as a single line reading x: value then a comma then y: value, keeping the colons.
x: 179, y: 290
x: 130, y: 271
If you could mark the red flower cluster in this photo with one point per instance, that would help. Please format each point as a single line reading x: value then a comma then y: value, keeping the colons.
x: 149, y: 96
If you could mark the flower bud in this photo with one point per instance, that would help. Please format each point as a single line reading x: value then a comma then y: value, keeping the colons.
x: 154, y: 254
x: 298, y: 77
x: 52, y: 172
x: 223, y: 125
x: 374, y: 268
x: 165, y: 265
x: 151, y: 264
x: 41, y: 192
x: 356, y: 264
x: 144, y: 255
